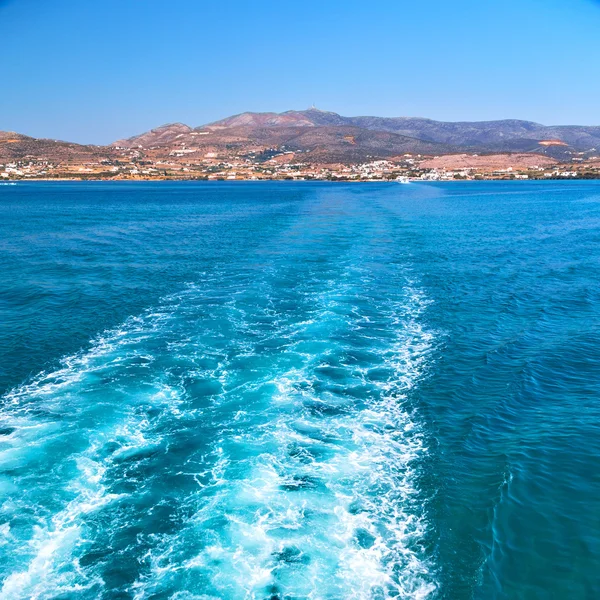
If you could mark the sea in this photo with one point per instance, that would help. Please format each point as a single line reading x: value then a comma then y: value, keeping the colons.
x: 300, y: 390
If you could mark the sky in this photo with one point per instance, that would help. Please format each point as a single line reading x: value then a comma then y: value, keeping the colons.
x: 94, y: 71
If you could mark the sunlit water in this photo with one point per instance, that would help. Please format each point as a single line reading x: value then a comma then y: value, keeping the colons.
x: 322, y: 391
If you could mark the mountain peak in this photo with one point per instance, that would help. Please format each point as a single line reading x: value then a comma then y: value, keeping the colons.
x: 177, y: 125
x: 314, y: 109
x: 263, y: 119
x: 158, y: 136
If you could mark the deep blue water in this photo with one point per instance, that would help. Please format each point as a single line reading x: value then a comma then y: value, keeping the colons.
x: 298, y: 390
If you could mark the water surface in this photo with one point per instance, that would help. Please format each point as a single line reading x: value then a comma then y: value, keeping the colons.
x: 298, y: 390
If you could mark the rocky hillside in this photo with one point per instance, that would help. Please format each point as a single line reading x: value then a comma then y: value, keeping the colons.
x: 18, y: 147
x: 316, y: 136
x: 348, y: 138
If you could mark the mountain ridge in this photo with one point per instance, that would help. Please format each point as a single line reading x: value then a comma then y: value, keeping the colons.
x: 318, y: 136
x: 504, y: 135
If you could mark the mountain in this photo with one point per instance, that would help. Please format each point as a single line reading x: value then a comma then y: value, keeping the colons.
x: 508, y: 135
x: 16, y: 146
x: 375, y: 136
x: 488, y: 134
x: 313, y: 117
x: 310, y: 136
x: 317, y: 135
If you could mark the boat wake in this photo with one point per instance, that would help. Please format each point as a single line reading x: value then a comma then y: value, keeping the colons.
x: 253, y: 437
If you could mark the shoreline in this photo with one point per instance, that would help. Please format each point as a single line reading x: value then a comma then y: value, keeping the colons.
x: 274, y: 180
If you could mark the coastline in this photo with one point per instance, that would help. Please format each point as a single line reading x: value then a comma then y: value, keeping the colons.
x: 281, y: 180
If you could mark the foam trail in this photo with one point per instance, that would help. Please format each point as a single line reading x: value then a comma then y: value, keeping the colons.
x: 256, y: 436
x: 317, y: 494
x: 61, y: 425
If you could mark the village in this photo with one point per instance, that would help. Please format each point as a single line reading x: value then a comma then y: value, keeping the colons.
x: 133, y: 165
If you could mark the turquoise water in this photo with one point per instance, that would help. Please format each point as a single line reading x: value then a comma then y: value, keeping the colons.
x: 298, y: 390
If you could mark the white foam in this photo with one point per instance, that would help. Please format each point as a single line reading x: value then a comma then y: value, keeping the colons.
x: 283, y: 502
x: 52, y: 565
x: 37, y: 411
x: 357, y: 473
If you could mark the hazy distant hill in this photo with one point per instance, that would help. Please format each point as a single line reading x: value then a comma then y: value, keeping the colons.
x: 315, y: 131
x: 512, y: 135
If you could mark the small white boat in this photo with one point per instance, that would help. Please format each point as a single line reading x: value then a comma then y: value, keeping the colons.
x: 402, y: 179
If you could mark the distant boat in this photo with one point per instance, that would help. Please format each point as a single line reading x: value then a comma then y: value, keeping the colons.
x: 8, y: 183
x: 402, y: 179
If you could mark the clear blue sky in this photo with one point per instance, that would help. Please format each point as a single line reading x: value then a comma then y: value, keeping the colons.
x: 95, y: 71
